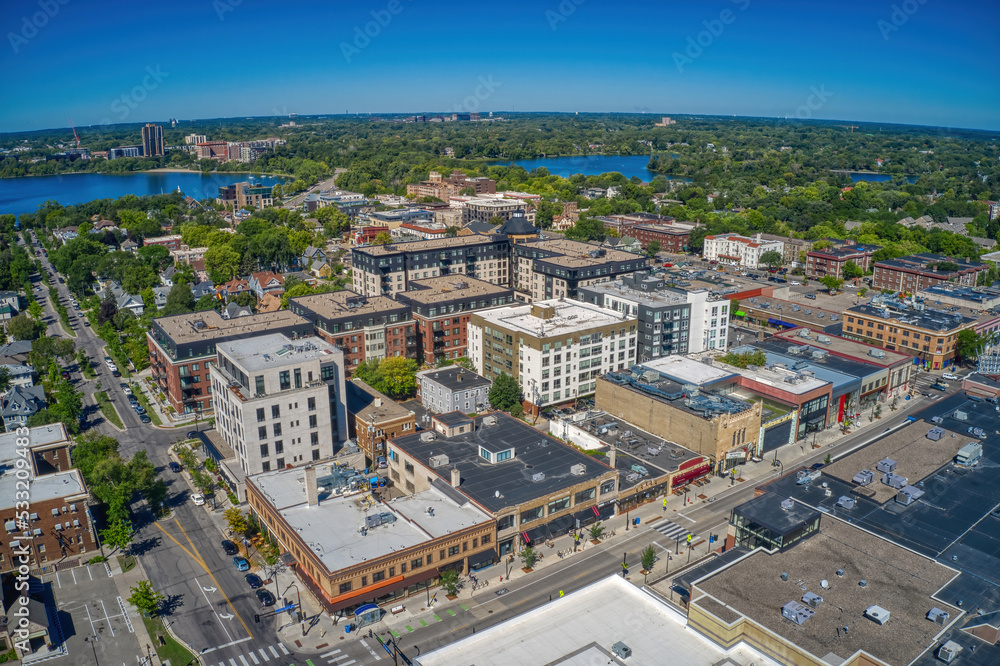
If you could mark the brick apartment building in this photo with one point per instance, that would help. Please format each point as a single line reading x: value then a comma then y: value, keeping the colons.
x: 831, y: 260
x: 374, y: 418
x: 623, y: 224
x: 240, y: 195
x: 920, y: 271
x: 212, y: 150
x: 443, y: 188
x: 363, y: 327
x: 673, y: 237
x: 484, y: 210
x: 556, y: 268
x: 441, y: 309
x: 182, y: 347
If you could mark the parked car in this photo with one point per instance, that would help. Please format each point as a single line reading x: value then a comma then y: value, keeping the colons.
x: 253, y: 580
x: 115, y: 373
x: 241, y: 563
x: 193, y: 434
x: 144, y: 419
x: 382, y: 462
x: 811, y: 297
x: 126, y: 390
x: 265, y: 597
x: 940, y: 386
x: 64, y: 375
x: 949, y: 375
x: 174, y: 467
x: 199, y: 500
x: 230, y: 548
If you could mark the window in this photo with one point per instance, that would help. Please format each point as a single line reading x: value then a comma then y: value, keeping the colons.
x: 262, y: 432
x: 504, y: 455
x: 259, y: 382
x: 264, y: 451
x: 558, y: 505
x: 608, y: 487
x: 315, y: 454
x: 408, y: 466
x: 453, y: 551
x: 486, y: 539
x: 345, y: 588
x: 277, y: 429
x: 586, y: 495
x: 417, y: 563
x: 312, y: 420
x: 298, y: 378
x: 364, y: 581
x: 314, y: 438
x: 486, y: 455
x: 281, y: 463
x: 312, y: 404
x: 260, y: 414
x: 430, y: 558
x: 284, y: 380
x: 378, y: 576
x: 265, y: 466
x: 532, y: 514
x: 279, y: 447
x: 402, y: 568
x: 275, y: 411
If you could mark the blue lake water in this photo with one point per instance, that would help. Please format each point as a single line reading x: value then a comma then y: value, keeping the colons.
x: 24, y: 195
x: 878, y: 177
x: 593, y: 165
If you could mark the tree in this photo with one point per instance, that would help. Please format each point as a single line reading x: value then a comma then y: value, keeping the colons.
x: 451, y: 232
x: 772, y: 259
x: 529, y: 556
x: 852, y: 271
x: 968, y: 344
x: 36, y: 311
x: 831, y: 282
x: 382, y: 238
x: 652, y: 248
x: 4, y: 380
x: 23, y: 327
x: 180, y: 300
x: 222, y: 263
x: 449, y: 581
x: 648, y: 558
x: 107, y: 311
x: 587, y: 229
x: 145, y: 598
x: 505, y: 393
x: 399, y: 377
x: 118, y: 535
x: 596, y: 531
x: 237, y: 521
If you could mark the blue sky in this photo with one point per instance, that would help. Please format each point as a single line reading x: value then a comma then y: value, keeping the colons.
x: 914, y: 61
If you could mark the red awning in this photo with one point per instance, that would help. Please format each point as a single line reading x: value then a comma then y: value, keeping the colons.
x: 691, y: 474
x: 369, y: 593
x: 525, y: 539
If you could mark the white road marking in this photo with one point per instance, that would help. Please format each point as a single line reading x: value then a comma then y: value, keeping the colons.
x: 232, y: 661
x: 244, y: 660
x: 107, y: 619
x: 283, y: 648
x: 329, y: 654
x: 58, y: 581
x: 274, y: 651
x: 264, y: 655
x: 72, y: 571
x: 254, y: 658
x: 91, y: 573
x: 373, y: 653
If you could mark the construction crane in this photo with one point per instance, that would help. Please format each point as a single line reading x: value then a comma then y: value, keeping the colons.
x: 74, y: 133
x: 850, y: 127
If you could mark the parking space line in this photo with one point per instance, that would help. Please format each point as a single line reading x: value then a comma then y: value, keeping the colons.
x: 106, y: 619
x: 58, y: 581
x: 91, y: 573
x: 93, y: 629
x: 73, y: 572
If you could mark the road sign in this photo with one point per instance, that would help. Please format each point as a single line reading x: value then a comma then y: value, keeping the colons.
x: 284, y: 608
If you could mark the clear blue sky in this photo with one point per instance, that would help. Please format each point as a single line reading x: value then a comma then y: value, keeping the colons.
x: 936, y: 65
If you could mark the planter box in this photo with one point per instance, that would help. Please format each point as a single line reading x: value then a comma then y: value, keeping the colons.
x: 527, y: 569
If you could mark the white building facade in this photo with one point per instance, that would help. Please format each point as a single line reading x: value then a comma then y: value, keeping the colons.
x: 739, y: 250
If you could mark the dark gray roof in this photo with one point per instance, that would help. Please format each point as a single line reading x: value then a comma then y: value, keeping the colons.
x: 517, y: 225
x: 453, y: 419
x: 767, y: 511
x: 501, y: 485
x: 449, y: 378
x: 477, y: 227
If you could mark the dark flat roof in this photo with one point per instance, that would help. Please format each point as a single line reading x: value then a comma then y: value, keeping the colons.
x: 534, y: 452
x: 453, y: 418
x: 766, y: 510
x: 449, y: 378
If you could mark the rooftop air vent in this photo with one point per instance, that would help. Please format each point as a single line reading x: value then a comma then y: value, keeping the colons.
x: 440, y: 460
x: 427, y: 436
x: 938, y: 616
x: 796, y: 612
x: 812, y: 599
x: 878, y: 614
x: 578, y: 469
x: 538, y: 476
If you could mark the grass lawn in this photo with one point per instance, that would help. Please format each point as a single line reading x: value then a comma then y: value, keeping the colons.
x: 172, y: 650
x: 107, y: 408
x: 141, y: 397
x: 126, y: 563
x: 88, y: 370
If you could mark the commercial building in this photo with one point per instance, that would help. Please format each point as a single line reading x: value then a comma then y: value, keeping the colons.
x: 441, y: 308
x: 240, y: 195
x: 55, y: 526
x: 920, y: 271
x: 452, y: 389
x: 350, y: 548
x: 485, y: 210
x: 780, y: 314
x: 350, y: 204
x: 555, y: 349
x: 124, y: 151
x: 419, y: 231
x: 739, y: 250
x: 183, y: 347
x: 532, y: 485
x: 279, y: 402
x: 671, y: 320
x: 673, y: 237
x: 556, y: 268
x: 623, y: 224
x: 364, y: 328
x: 453, y: 185
x: 976, y: 299
x: 392, y: 219
x: 389, y: 269
x: 212, y: 150
x: 929, y: 335
x: 831, y: 260
x: 152, y: 140
x: 374, y: 419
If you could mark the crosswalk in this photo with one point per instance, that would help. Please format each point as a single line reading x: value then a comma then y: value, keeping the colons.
x: 672, y: 531
x: 337, y: 658
x: 257, y: 657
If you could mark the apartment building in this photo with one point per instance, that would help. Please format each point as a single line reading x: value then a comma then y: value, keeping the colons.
x: 393, y: 219
x: 793, y: 247
x: 183, y: 347
x: 56, y: 525
x: 671, y: 320
x: 365, y: 328
x: 555, y: 349
x: 927, y: 334
x: 443, y: 188
x: 195, y: 139
x: 921, y: 271
x: 452, y: 389
x: 485, y: 210
x: 212, y: 150
x: 124, y: 151
x: 557, y: 268
x: 673, y: 237
x: 152, y: 140
x: 240, y: 195
x: 531, y: 485
x: 373, y: 418
x: 831, y: 260
x: 623, y: 224
x: 441, y: 308
x: 279, y: 402
x: 739, y: 250
x: 389, y: 269
x: 172, y: 242
x: 350, y: 204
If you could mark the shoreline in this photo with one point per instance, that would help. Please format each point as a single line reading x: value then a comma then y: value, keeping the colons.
x: 157, y: 170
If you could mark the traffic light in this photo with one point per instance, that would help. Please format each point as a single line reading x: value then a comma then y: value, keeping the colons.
x: 256, y: 618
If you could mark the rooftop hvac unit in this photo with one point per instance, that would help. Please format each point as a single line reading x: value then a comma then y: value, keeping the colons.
x: 796, y: 612
x: 440, y: 460
x: 787, y: 504
x: 804, y: 333
x: 878, y: 614
x: 938, y: 616
x: 825, y: 339
x: 935, y: 433
x: 621, y: 650
x: 812, y: 599
x: 949, y: 651
x: 961, y: 416
x: 937, y: 419
x: 969, y: 454
x: 886, y: 466
x: 845, y: 502
x: 908, y: 494
x: 580, y: 469
x: 427, y: 436
x: 538, y: 476
x: 490, y: 420
x: 894, y: 481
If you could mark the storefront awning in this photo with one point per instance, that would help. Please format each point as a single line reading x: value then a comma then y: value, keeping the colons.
x: 483, y: 557
x: 691, y: 474
x: 778, y: 322
x: 740, y: 313
x: 387, y: 586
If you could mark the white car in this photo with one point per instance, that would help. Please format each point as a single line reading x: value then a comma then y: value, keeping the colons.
x: 199, y: 500
x: 948, y: 375
x: 795, y: 283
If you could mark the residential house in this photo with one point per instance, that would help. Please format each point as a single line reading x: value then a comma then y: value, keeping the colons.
x: 19, y: 403
x: 625, y: 243
x: 233, y: 310
x: 129, y: 245
x: 956, y: 225
x: 266, y: 282
x: 20, y: 374
x: 167, y: 276
x: 67, y: 233
x: 203, y: 288
x: 233, y: 288
x: 269, y: 302
x: 160, y: 296
x: 100, y: 226
x: 311, y: 254
x: 15, y: 352
x: 126, y: 301
x: 321, y: 268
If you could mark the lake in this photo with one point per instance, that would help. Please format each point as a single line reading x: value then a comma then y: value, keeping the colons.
x: 877, y: 177
x: 593, y: 165
x: 24, y: 195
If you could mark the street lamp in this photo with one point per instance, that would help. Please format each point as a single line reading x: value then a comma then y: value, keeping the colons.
x: 298, y: 606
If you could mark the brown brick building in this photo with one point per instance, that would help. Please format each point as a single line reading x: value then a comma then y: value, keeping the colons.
x: 920, y: 271
x: 443, y: 188
x: 374, y: 418
x: 831, y: 260
x: 671, y: 237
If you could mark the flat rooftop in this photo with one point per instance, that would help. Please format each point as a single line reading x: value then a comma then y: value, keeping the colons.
x: 916, y: 456
x: 209, y: 325
x: 570, y: 317
x: 838, y: 345
x: 575, y: 630
x: 369, y: 405
x: 337, y: 304
x: 51, y: 486
x: 980, y: 297
x: 331, y: 528
x: 653, y: 297
x: 785, y: 380
x: 797, y: 313
x: 534, y: 453
x: 768, y: 512
x: 426, y: 245
x: 449, y: 287
x: 455, y: 378
x: 687, y: 370
x: 38, y: 436
x: 572, y: 254
x: 706, y: 404
x: 841, y: 372
x: 897, y: 579
x: 266, y: 352
x: 927, y: 319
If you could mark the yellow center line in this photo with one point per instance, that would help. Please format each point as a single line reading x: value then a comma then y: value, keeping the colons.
x: 196, y: 556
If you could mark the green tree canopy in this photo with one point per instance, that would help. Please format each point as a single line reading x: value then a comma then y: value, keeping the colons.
x: 831, y: 282
x: 852, y: 271
x: 505, y: 393
x: 180, y: 300
x: 772, y: 258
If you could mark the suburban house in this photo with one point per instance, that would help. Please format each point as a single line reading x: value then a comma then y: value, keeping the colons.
x: 234, y: 287
x: 19, y: 404
x: 266, y: 282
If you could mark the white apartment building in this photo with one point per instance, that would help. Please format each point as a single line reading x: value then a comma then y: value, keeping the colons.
x: 739, y: 250
x: 279, y: 402
x: 556, y: 349
x: 709, y: 321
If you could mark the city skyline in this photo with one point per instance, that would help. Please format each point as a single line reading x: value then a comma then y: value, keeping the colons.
x: 901, y: 63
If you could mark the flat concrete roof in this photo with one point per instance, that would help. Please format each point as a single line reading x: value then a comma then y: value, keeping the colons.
x: 837, y: 345
x: 573, y: 253
x: 371, y: 406
x: 899, y: 580
x: 570, y: 317
x: 43, y: 488
x: 331, y: 528
x: 580, y: 629
x: 427, y: 245
x: 454, y: 378
x: 266, y: 352
x: 335, y: 304
x: 775, y: 378
x: 209, y: 324
x: 450, y: 287
x: 688, y: 370
x: 38, y: 436
x: 915, y: 455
